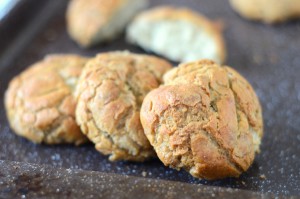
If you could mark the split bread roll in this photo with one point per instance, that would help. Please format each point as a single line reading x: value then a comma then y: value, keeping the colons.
x: 39, y: 102
x: 110, y: 92
x: 268, y: 11
x: 205, y: 119
x: 90, y: 22
x: 178, y: 34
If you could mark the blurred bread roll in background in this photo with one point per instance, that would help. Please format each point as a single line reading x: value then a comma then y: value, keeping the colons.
x: 90, y: 22
x: 268, y: 11
x: 178, y: 34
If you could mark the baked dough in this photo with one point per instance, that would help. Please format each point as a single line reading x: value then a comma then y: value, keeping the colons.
x: 39, y: 102
x: 110, y: 93
x: 94, y: 21
x: 206, y: 119
x: 268, y: 11
x: 178, y: 34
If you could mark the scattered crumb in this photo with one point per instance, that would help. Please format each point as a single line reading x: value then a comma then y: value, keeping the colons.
x: 144, y: 173
x: 263, y: 177
x: 243, y: 182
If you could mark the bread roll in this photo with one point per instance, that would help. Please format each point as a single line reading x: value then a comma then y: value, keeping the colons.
x: 110, y: 93
x: 268, y: 11
x: 178, y: 34
x: 90, y: 22
x: 205, y: 119
x: 39, y: 102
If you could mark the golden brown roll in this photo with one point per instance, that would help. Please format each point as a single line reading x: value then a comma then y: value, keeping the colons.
x: 39, y: 102
x: 178, y: 34
x: 94, y: 21
x: 110, y: 93
x: 205, y: 119
x: 268, y: 11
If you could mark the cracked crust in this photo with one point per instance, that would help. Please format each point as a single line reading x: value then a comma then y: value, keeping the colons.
x: 39, y: 102
x: 206, y: 119
x: 93, y: 21
x: 110, y: 92
x: 268, y: 11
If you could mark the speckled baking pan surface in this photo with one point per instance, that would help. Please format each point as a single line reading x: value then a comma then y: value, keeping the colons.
x: 268, y: 56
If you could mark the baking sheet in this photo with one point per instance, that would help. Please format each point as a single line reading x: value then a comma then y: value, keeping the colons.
x: 23, y: 180
x: 268, y: 56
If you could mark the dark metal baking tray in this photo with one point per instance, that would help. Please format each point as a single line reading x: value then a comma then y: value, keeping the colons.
x: 268, y: 56
x: 23, y: 180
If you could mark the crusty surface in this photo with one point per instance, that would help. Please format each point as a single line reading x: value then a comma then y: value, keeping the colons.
x: 39, y: 102
x: 268, y: 11
x: 93, y: 21
x: 86, y: 17
x: 173, y: 14
x: 206, y: 119
x: 110, y: 92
